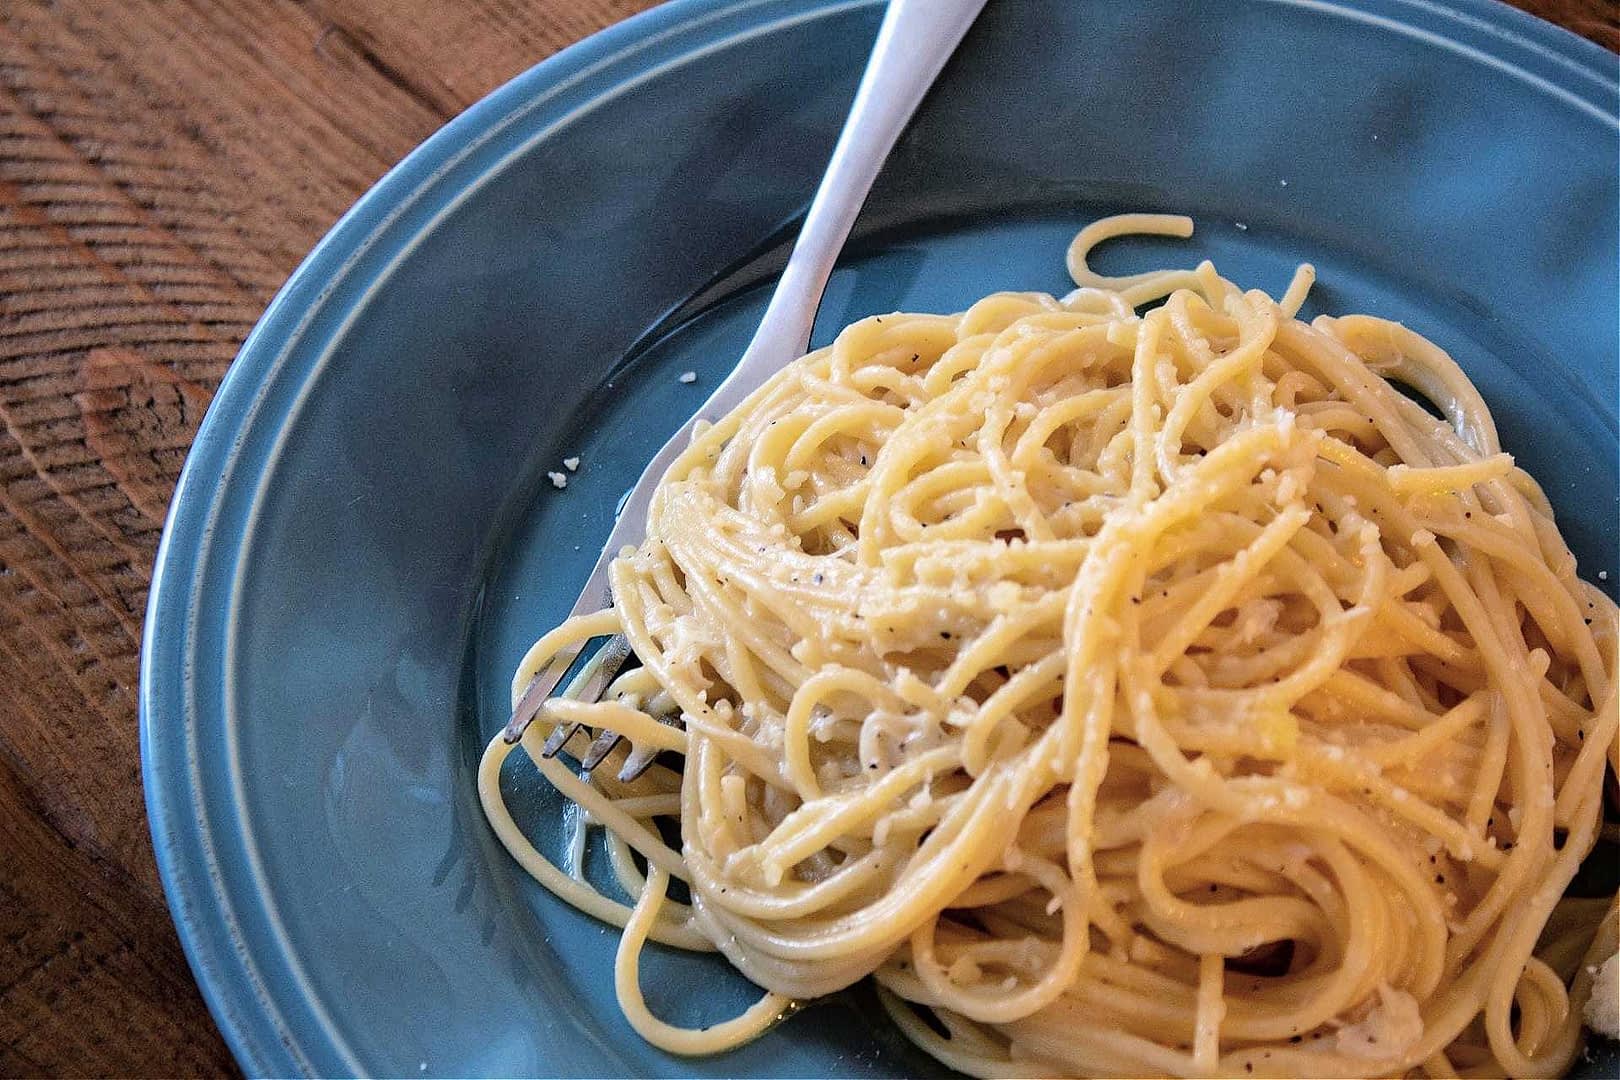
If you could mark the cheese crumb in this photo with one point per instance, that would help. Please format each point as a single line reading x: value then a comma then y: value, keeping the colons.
x: 688, y: 376
x: 558, y: 480
x: 1603, y: 1007
x: 1389, y: 1028
x: 571, y: 464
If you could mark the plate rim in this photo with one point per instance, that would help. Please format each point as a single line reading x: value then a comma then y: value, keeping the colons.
x: 262, y: 1039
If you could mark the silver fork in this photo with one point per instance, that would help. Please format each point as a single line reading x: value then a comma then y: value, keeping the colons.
x: 913, y: 43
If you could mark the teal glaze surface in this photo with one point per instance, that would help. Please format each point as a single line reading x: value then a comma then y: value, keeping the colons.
x: 363, y: 541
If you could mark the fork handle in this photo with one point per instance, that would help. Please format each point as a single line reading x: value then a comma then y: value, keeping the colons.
x: 915, y: 40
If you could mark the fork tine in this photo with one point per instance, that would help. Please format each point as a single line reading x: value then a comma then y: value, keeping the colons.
x: 557, y: 739
x: 589, y: 685
x: 535, y: 694
x: 601, y: 748
x: 638, y: 761
x: 604, y: 669
x: 641, y: 758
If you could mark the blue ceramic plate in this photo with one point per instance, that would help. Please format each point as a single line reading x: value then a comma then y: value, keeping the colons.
x: 363, y: 541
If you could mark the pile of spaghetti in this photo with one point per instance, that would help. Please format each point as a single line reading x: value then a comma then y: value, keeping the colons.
x: 1127, y: 693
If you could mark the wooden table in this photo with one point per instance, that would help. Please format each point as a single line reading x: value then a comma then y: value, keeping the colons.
x: 164, y: 164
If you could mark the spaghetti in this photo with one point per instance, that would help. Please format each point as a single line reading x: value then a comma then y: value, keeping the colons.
x: 1128, y: 694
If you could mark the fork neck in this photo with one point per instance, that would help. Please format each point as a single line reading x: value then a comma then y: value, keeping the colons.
x: 915, y: 40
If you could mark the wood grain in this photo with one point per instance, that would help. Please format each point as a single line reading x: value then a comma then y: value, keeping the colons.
x: 163, y: 166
